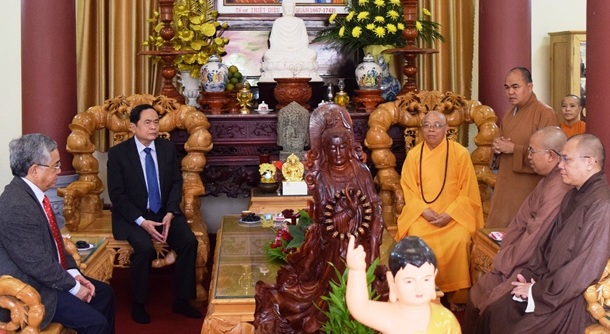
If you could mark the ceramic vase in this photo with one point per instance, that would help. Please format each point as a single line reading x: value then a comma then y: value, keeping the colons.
x: 368, y: 73
x: 389, y: 84
x: 190, y: 88
x: 214, y: 75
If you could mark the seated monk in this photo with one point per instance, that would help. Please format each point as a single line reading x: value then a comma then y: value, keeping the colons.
x: 411, y: 279
x: 289, y: 55
x: 443, y: 205
x: 525, y: 230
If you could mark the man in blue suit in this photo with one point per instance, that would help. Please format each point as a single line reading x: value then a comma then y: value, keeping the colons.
x: 145, y: 188
x: 32, y: 250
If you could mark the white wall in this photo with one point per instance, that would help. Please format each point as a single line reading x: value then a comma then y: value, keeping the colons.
x: 551, y: 16
x: 10, y: 86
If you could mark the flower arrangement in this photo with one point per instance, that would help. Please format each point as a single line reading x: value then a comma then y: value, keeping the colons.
x: 374, y: 22
x: 289, y: 237
x: 197, y: 29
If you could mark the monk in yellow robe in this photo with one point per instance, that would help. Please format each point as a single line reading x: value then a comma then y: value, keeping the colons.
x: 442, y: 204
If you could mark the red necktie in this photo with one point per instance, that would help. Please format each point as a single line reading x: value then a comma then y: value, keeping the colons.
x: 55, y: 231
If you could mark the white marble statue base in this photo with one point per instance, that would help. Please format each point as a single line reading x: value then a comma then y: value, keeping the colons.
x: 294, y: 188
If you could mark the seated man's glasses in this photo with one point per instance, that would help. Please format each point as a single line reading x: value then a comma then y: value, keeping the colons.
x: 57, y: 166
x: 531, y: 150
x: 567, y: 160
x: 435, y: 126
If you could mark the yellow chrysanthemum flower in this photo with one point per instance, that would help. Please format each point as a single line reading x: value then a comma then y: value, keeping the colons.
x: 332, y: 18
x: 395, y: 2
x: 362, y: 16
x: 391, y: 28
x: 418, y: 26
x: 379, y: 19
x: 356, y: 32
x: 379, y: 3
x: 401, y: 26
x: 426, y: 12
x: 380, y: 31
x: 370, y: 26
x: 363, y: 2
x: 350, y: 16
x: 392, y: 14
x: 341, y: 31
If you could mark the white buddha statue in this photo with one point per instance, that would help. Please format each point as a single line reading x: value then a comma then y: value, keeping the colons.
x: 289, y: 55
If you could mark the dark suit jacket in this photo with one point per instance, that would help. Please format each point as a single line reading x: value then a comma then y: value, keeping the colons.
x: 127, y: 185
x: 27, y: 248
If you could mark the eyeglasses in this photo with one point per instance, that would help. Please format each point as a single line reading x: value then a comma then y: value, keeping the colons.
x: 57, y: 166
x: 531, y: 150
x: 435, y: 126
x: 566, y: 159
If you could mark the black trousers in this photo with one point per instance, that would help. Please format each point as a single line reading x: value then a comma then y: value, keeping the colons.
x: 181, y: 240
x: 95, y: 317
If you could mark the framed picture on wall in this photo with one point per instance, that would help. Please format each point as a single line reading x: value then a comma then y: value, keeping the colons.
x: 274, y: 7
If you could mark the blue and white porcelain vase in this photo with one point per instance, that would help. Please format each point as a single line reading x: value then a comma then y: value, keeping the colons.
x: 368, y: 73
x: 389, y: 84
x: 214, y: 75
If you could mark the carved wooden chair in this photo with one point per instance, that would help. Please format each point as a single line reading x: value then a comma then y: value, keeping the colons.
x: 25, y: 306
x: 406, y: 113
x: 83, y: 206
x: 598, y: 301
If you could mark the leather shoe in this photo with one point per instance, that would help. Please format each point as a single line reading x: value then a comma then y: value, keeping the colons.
x: 138, y: 314
x: 182, y: 306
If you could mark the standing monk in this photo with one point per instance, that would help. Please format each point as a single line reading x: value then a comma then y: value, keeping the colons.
x: 443, y: 204
x: 516, y: 179
x: 548, y: 293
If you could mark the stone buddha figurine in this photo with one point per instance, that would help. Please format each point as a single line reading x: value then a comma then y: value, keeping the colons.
x: 292, y: 130
x: 289, y: 55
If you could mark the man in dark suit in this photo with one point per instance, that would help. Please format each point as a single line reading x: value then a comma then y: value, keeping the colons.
x: 32, y: 250
x: 145, y: 188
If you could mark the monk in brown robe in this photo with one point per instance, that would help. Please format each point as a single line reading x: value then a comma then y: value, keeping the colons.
x: 524, y: 232
x: 443, y: 204
x: 548, y: 294
x: 516, y: 179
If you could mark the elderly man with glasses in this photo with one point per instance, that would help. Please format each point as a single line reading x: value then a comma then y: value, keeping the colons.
x: 32, y: 249
x: 443, y: 205
x: 547, y: 294
x: 525, y: 230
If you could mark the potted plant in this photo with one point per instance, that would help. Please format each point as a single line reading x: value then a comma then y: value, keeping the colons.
x: 374, y: 22
x: 197, y: 29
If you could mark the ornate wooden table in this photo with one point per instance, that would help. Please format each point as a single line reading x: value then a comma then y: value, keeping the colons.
x: 239, y: 262
x: 97, y: 262
x: 484, y: 249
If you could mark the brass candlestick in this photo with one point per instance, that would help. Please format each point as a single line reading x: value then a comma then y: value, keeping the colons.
x: 244, y: 96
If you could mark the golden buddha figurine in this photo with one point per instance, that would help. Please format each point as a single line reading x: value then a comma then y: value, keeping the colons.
x: 293, y: 169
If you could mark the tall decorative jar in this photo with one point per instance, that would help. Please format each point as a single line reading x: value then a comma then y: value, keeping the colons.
x: 368, y: 73
x: 214, y: 75
x: 190, y: 88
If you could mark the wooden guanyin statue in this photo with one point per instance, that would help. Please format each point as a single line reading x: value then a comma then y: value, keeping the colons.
x: 345, y: 203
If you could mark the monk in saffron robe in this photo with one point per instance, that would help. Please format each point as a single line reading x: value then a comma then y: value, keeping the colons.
x: 442, y: 204
x: 524, y: 232
x: 516, y: 179
x: 571, y: 108
x: 548, y: 294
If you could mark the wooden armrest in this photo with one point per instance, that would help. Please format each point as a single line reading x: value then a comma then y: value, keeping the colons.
x: 597, y: 296
x: 23, y: 303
